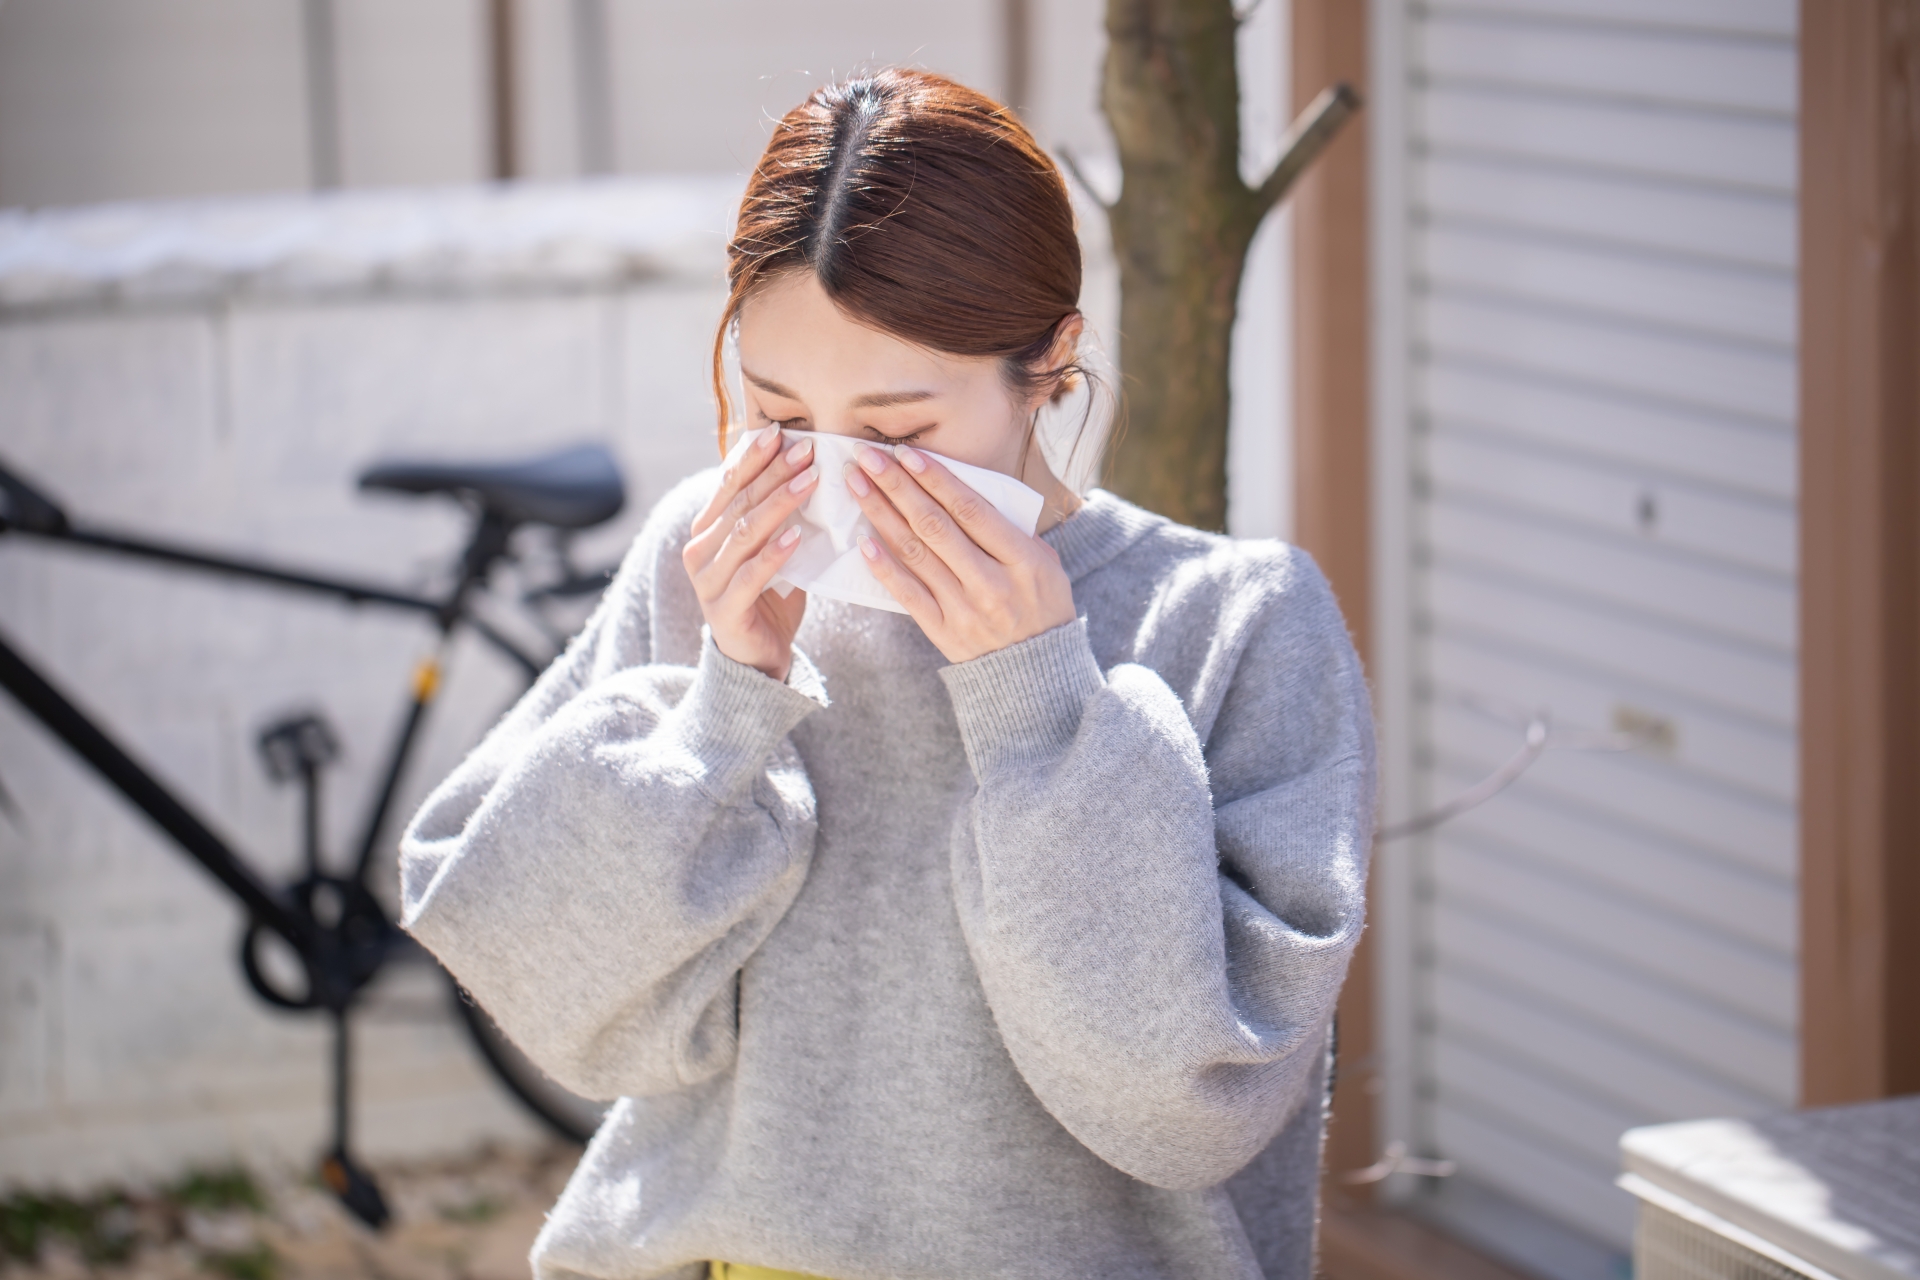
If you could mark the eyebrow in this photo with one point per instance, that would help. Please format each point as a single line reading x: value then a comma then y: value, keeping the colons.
x: 766, y: 384
x: 887, y: 399
x: 872, y: 400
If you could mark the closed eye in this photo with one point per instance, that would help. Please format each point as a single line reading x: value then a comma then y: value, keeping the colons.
x: 800, y: 423
x: 907, y: 438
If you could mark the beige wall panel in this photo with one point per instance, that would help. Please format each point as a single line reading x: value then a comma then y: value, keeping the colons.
x: 116, y: 99
x: 696, y: 86
x: 1069, y: 43
x: 547, y: 106
x: 413, y: 92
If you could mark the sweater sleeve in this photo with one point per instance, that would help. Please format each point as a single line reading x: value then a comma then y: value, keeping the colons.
x: 598, y: 870
x: 1162, y: 932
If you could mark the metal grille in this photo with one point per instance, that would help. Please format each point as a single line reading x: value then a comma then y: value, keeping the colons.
x: 1668, y: 1247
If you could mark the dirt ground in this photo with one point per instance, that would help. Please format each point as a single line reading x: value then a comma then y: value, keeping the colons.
x: 472, y: 1219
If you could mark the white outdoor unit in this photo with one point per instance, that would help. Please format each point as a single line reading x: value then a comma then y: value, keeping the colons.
x: 1832, y: 1194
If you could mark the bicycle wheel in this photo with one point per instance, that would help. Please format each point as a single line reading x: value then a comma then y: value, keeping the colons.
x: 567, y: 1114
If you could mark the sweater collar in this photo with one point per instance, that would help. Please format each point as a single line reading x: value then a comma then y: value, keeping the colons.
x: 1101, y: 529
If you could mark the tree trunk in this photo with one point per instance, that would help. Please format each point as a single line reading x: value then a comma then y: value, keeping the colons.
x: 1181, y: 228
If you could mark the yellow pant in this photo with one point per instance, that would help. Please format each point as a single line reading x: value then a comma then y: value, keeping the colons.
x: 734, y: 1271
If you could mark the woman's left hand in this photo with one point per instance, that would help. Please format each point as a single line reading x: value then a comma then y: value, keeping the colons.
x: 971, y: 579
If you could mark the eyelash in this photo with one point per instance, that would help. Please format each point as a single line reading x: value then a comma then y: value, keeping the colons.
x: 787, y: 424
x: 908, y: 438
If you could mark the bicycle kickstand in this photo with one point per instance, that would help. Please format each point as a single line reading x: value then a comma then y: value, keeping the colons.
x: 352, y: 1185
x: 296, y: 749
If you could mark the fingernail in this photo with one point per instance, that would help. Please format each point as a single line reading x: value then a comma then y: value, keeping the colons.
x: 799, y: 451
x: 790, y: 537
x: 801, y: 482
x: 872, y: 459
x: 910, y: 458
x: 858, y: 483
x: 867, y: 548
x: 769, y: 437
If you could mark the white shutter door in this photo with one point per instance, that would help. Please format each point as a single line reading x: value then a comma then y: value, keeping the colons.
x: 1600, y: 310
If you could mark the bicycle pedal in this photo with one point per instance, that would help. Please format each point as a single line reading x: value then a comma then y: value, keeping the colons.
x: 355, y: 1188
x: 292, y: 746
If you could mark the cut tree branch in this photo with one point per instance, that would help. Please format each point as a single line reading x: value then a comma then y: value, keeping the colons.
x: 1305, y: 140
x: 1072, y: 166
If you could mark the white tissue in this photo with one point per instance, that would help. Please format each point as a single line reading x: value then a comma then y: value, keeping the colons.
x: 828, y: 561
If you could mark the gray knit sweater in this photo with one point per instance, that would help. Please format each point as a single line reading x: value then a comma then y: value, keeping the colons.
x: 1016, y: 967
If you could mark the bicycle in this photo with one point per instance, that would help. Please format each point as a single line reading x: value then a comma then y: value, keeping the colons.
x: 335, y: 925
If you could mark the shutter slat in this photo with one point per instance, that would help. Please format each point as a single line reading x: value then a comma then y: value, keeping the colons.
x: 1756, y: 76
x: 1776, y: 19
x: 1658, y: 216
x: 1520, y: 954
x: 1741, y: 304
x: 1605, y: 425
x: 1556, y: 1042
x: 1634, y: 862
x: 1600, y: 300
x: 1740, y: 827
x: 1495, y: 1085
x: 1576, y: 1192
x: 1604, y: 570
x: 1739, y: 680
x: 1747, y: 756
x: 1626, y: 934
x: 1638, y: 504
x: 1682, y: 371
x: 1705, y: 149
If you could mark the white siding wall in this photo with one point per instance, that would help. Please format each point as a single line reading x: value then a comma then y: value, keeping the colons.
x: 1594, y: 243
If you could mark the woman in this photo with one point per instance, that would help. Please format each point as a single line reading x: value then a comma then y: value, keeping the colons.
x: 999, y: 938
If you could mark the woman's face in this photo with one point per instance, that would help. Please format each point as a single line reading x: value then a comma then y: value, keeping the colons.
x: 808, y: 367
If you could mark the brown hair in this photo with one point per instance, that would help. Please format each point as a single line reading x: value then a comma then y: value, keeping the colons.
x: 924, y: 209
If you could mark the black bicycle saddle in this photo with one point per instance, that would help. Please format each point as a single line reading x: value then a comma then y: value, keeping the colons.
x: 575, y: 488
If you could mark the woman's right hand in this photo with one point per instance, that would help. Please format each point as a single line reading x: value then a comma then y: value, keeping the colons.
x: 732, y: 555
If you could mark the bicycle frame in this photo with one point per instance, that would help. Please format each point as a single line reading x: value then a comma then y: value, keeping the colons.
x: 341, y: 955
x: 487, y: 544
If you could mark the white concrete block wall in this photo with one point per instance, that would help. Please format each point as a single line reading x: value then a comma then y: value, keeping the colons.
x: 128, y: 1041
